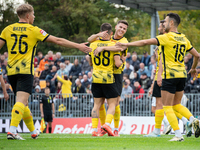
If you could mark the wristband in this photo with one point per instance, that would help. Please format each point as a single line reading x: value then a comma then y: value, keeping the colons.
x: 122, y: 60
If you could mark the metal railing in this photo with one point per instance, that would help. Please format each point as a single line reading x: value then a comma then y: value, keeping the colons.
x: 82, y: 106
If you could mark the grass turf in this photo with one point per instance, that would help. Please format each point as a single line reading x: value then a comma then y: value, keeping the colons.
x: 87, y: 142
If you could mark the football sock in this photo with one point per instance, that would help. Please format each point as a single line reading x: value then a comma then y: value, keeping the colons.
x: 49, y: 129
x: 182, y: 110
x: 159, y: 115
x: 28, y: 119
x: 165, y: 121
x: 191, y: 119
x: 109, y: 118
x: 16, y: 115
x: 13, y: 129
x: 156, y: 131
x: 117, y: 116
x: 178, y: 133
x: 171, y: 117
x: 95, y: 122
x: 102, y: 114
x: 116, y: 129
x: 178, y: 114
x: 184, y: 120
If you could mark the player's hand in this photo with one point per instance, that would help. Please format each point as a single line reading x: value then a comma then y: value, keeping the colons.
x: 159, y: 80
x: 193, y: 72
x: 53, y: 115
x: 150, y: 92
x: 121, y: 45
x: 103, y: 34
x: 98, y: 50
x: 42, y: 115
x: 123, y: 58
x: 6, y: 96
x: 84, y: 48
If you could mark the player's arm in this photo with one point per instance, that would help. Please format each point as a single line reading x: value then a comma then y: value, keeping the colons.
x: 66, y: 43
x: 90, y: 61
x: 160, y: 70
x: 53, y: 110
x: 41, y: 109
x: 118, y: 61
x: 2, y: 42
x: 152, y: 41
x: 195, y: 61
x: 95, y: 37
x: 6, y: 96
x: 107, y: 48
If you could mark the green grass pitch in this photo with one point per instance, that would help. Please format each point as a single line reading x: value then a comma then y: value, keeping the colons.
x: 87, y: 142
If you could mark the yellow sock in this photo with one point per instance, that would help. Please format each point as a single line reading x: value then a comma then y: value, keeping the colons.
x: 182, y: 110
x: 117, y: 116
x: 109, y: 118
x: 159, y: 115
x: 102, y: 114
x: 171, y: 117
x: 95, y: 122
x: 17, y: 113
x: 28, y: 119
x: 178, y: 114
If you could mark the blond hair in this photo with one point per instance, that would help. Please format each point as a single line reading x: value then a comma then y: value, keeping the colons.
x: 23, y: 9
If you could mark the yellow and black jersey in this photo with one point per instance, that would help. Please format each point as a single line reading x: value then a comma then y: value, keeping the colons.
x: 158, y: 60
x: 22, y: 39
x: 173, y: 47
x: 121, y: 68
x: 103, y: 64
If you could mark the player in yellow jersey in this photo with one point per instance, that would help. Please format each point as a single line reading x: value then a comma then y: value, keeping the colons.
x: 21, y: 39
x: 120, y: 30
x: 174, y: 46
x: 103, y: 82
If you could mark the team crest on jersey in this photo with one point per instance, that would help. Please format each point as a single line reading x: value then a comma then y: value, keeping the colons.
x: 43, y: 32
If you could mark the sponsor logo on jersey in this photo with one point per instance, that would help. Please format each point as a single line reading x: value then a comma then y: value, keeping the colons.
x: 43, y: 32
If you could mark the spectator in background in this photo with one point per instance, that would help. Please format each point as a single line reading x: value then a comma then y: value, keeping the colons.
x: 51, y: 64
x: 85, y: 67
x: 79, y: 87
x: 6, y: 55
x: 145, y: 58
x: 40, y: 57
x: 54, y: 58
x: 134, y: 77
x: 135, y: 53
x: 8, y: 90
x: 35, y: 62
x: 37, y: 89
x: 152, y: 67
x: 128, y: 57
x: 80, y: 77
x: 58, y: 62
x: 190, y: 57
x: 85, y: 82
x: 134, y: 62
x: 43, y: 62
x: 90, y: 77
x: 143, y: 70
x: 2, y: 57
x: 187, y: 64
x: 59, y: 57
x: 50, y: 53
x: 68, y: 64
x: 52, y: 73
x: 45, y: 72
x: 50, y: 86
x: 145, y: 81
x: 61, y: 72
x: 75, y: 70
x: 127, y: 70
x: 137, y: 89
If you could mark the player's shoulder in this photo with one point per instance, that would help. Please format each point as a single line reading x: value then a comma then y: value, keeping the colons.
x: 122, y: 39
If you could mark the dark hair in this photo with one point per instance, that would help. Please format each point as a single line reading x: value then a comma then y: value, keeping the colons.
x: 65, y: 77
x: 175, y: 17
x: 106, y: 26
x: 123, y: 21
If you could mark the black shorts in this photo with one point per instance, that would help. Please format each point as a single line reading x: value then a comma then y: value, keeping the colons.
x: 119, y: 83
x: 48, y: 116
x: 104, y: 90
x: 173, y: 85
x: 156, y: 90
x: 21, y: 82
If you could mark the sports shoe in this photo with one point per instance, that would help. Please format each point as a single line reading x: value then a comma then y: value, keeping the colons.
x: 116, y: 133
x: 94, y: 133
x: 152, y: 134
x: 195, y: 125
x: 167, y: 129
x: 102, y: 132
x: 180, y: 139
x: 188, y: 129
x: 35, y: 136
x: 108, y: 129
x: 11, y: 136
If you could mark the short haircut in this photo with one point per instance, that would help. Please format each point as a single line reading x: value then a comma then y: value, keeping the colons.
x: 106, y: 26
x: 23, y: 9
x: 123, y: 21
x: 47, y: 88
x: 175, y: 17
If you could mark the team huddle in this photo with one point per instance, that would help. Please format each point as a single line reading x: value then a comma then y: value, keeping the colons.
x: 107, y: 53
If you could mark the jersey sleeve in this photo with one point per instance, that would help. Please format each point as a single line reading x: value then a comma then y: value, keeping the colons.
x: 189, y: 46
x: 161, y: 39
x: 3, y: 36
x: 92, y: 45
x: 40, y: 34
x: 41, y: 101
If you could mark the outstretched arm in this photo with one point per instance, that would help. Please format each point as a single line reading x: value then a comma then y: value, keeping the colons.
x: 66, y: 43
x: 108, y: 48
x: 95, y: 37
x: 195, y: 61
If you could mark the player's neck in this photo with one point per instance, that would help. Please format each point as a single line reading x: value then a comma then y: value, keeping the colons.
x: 173, y: 29
x: 117, y: 37
x: 23, y: 20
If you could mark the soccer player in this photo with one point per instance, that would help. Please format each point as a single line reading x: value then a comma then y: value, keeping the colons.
x: 174, y: 45
x: 103, y: 80
x: 120, y: 30
x: 21, y: 39
x: 47, y: 107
